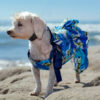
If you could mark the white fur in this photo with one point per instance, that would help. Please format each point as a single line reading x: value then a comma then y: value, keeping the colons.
x: 39, y: 49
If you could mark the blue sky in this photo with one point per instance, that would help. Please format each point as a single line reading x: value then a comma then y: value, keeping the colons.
x: 53, y: 9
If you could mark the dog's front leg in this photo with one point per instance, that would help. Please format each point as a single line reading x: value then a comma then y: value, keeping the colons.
x: 50, y: 81
x: 36, y: 73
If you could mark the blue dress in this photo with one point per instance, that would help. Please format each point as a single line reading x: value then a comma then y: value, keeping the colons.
x: 68, y: 41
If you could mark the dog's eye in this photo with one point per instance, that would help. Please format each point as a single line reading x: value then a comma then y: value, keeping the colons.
x: 20, y: 24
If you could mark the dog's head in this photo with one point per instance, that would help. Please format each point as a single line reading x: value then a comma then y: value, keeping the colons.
x: 25, y: 24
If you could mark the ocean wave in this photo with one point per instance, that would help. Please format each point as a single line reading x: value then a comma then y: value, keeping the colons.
x: 86, y: 27
x: 18, y: 63
x: 96, y: 38
x: 90, y: 27
x: 4, y: 28
x: 52, y: 25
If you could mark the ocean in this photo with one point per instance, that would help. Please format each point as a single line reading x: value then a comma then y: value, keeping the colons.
x: 13, y: 52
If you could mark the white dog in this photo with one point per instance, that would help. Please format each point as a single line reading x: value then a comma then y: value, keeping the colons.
x: 30, y: 27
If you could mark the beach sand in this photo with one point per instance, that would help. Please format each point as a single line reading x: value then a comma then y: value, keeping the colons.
x: 17, y: 82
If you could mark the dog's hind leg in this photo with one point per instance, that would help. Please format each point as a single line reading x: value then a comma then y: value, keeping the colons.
x: 77, y: 77
x: 37, y: 90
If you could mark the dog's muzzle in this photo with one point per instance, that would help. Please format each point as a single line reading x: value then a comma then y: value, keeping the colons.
x: 9, y: 32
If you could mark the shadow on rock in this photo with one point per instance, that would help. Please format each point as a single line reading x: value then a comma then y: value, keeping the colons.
x: 63, y: 87
x: 95, y: 82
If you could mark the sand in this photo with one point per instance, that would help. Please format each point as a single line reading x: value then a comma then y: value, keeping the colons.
x: 17, y: 82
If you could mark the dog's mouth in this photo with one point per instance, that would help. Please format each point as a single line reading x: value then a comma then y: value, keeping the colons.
x: 13, y: 36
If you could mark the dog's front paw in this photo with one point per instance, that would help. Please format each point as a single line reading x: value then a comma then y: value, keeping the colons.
x: 34, y: 93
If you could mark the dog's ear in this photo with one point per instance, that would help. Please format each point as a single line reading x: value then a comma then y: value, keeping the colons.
x: 39, y: 26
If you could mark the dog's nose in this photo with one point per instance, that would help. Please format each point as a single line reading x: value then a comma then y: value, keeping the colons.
x: 9, y: 32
